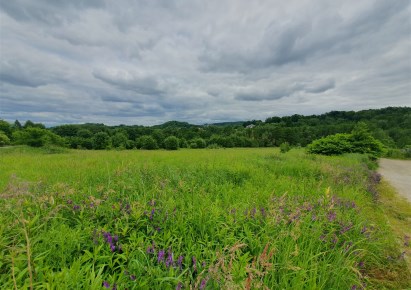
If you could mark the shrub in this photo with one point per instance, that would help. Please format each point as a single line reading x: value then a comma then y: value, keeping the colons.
x: 4, y: 140
x: 285, y: 147
x: 359, y: 141
x: 146, y: 142
x: 37, y: 137
x: 198, y: 143
x: 101, y: 140
x: 171, y: 143
x: 331, y: 145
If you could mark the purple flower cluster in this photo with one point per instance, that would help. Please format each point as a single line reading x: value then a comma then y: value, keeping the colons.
x: 331, y: 216
x: 180, y: 262
x: 107, y: 285
x: 112, y: 241
x: 346, y: 228
x: 168, y: 259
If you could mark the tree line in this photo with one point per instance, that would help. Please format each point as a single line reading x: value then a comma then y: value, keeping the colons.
x: 391, y: 126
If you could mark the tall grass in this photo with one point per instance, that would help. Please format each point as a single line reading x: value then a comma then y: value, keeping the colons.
x: 202, y: 219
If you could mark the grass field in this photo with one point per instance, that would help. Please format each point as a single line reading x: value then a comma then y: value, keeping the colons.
x: 193, y: 219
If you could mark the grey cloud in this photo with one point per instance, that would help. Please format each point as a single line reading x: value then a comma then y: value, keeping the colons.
x: 47, y: 12
x: 302, y: 39
x: 285, y: 90
x: 260, y: 96
x: 320, y: 87
x: 125, y: 80
x: 148, y: 62
x: 16, y: 73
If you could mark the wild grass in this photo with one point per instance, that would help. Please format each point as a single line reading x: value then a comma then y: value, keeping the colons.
x: 192, y: 219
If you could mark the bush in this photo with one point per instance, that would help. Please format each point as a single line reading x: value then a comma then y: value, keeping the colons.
x: 285, y: 147
x: 101, y: 140
x: 4, y: 140
x: 146, y: 142
x: 37, y: 137
x: 198, y: 143
x: 331, y: 145
x: 171, y: 143
x: 119, y: 140
x: 359, y: 141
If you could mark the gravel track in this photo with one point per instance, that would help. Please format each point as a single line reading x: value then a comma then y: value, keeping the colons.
x: 398, y: 174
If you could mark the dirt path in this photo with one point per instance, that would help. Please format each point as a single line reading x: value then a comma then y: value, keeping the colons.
x: 398, y: 174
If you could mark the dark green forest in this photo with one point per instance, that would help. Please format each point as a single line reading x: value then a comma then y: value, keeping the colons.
x: 391, y: 126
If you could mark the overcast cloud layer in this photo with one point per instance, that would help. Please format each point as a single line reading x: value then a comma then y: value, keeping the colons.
x: 147, y: 62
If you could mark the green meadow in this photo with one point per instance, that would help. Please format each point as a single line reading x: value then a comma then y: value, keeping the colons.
x: 193, y: 219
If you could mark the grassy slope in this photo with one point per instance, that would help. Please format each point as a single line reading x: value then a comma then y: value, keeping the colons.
x: 250, y: 217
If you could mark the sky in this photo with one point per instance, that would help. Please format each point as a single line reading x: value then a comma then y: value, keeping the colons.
x: 148, y: 62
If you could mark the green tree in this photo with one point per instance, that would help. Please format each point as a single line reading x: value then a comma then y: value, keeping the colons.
x: 4, y: 139
x: 37, y: 137
x: 17, y: 125
x: 171, y: 143
x: 84, y: 133
x: 147, y: 142
x: 101, y: 140
x: 119, y: 140
x: 6, y: 128
x: 198, y: 143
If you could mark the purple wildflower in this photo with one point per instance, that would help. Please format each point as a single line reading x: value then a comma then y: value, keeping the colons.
x: 112, y: 241
x: 179, y: 286
x: 76, y: 207
x: 160, y: 257
x: 169, y: 260
x: 152, y: 214
x: 69, y: 201
x: 361, y: 264
x: 106, y: 284
x: 114, y: 287
x: 132, y: 277
x: 203, y: 284
x: 263, y: 212
x: 331, y: 216
x: 203, y: 264
x: 180, y: 262
x: 346, y: 228
x: 354, y: 287
x: 253, y: 211
x: 150, y: 250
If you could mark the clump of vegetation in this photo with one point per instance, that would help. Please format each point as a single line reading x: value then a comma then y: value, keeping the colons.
x: 192, y: 219
x: 359, y: 141
x: 404, y: 153
x: 285, y: 147
x: 4, y: 139
x: 171, y: 143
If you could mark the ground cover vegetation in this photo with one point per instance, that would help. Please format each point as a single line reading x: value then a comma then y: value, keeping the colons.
x: 390, y: 126
x: 251, y: 218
